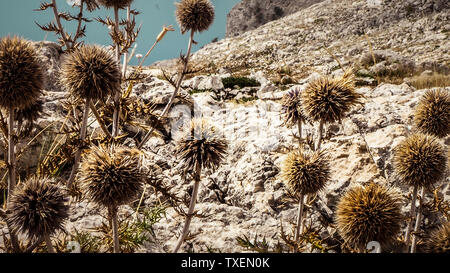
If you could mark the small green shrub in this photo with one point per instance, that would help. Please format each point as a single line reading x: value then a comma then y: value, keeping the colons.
x: 242, y: 82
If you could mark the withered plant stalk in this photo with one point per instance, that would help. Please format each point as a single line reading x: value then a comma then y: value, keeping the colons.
x: 82, y: 140
x: 99, y: 120
x: 115, y: 121
x: 418, y: 221
x: 190, y: 214
x: 319, y: 140
x: 412, y: 214
x: 300, y: 214
x: 49, y: 244
x: 175, y: 92
x: 11, y: 173
x: 112, y: 212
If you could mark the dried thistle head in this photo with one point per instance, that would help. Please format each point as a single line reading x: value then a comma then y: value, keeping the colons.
x: 38, y: 207
x: 291, y: 108
x: 91, y: 5
x: 27, y: 116
x: 21, y: 73
x: 420, y: 160
x: 369, y: 213
x: 432, y: 115
x: 439, y: 241
x: 306, y: 172
x: 121, y: 4
x: 195, y: 15
x: 329, y: 99
x: 91, y: 72
x: 201, y: 146
x: 111, y: 176
x: 30, y: 113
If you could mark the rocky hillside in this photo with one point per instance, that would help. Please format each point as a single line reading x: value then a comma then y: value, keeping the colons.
x: 246, y: 196
x: 250, y: 14
x: 310, y: 40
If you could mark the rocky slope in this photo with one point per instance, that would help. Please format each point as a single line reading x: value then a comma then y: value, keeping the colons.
x: 245, y: 196
x: 250, y: 14
x: 307, y: 40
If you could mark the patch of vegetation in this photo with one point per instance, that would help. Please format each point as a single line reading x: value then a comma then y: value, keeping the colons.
x: 242, y: 82
x: 197, y: 91
x: 245, y: 100
x: 258, y: 245
x: 364, y: 74
x: 430, y: 81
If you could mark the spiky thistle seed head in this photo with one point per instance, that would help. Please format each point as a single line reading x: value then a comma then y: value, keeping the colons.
x: 306, y: 172
x: 21, y: 73
x: 291, y: 108
x: 91, y: 72
x: 420, y: 160
x: 432, y: 115
x: 27, y: 116
x: 38, y: 207
x: 195, y: 15
x: 329, y: 99
x: 32, y: 112
x: 439, y: 241
x: 201, y: 146
x: 111, y: 176
x: 121, y: 4
x: 369, y: 213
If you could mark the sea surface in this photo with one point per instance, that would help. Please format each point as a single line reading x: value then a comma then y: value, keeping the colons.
x: 17, y: 17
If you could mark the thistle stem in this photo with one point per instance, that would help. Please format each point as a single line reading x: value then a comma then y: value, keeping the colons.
x: 125, y: 59
x: 190, y: 212
x: 115, y: 122
x: 299, y: 220
x: 11, y: 155
x: 60, y: 27
x: 319, y: 141
x: 82, y: 139
x: 299, y: 125
x: 114, y: 226
x: 49, y: 244
x: 175, y: 92
x: 11, y: 173
x: 99, y: 120
x: 418, y: 221
x: 412, y: 215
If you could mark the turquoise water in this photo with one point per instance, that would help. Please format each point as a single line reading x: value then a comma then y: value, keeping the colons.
x: 17, y: 17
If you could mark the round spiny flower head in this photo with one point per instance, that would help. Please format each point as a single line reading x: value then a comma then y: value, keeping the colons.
x: 121, y: 4
x: 21, y: 75
x: 439, y: 241
x: 27, y: 116
x: 306, y: 172
x: 291, y: 108
x: 329, y: 99
x: 38, y: 207
x: 111, y: 176
x: 432, y: 115
x: 370, y: 213
x: 420, y: 160
x: 195, y: 15
x: 91, y: 72
x: 31, y: 113
x: 201, y: 146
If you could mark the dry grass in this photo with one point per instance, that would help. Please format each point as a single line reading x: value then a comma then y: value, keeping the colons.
x: 430, y: 81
